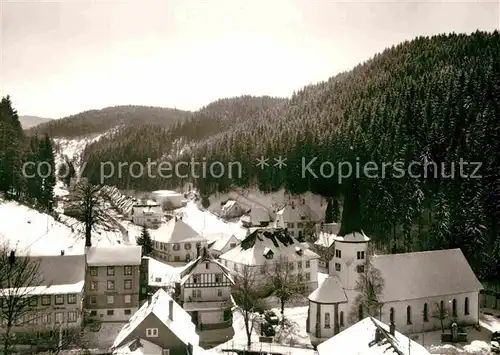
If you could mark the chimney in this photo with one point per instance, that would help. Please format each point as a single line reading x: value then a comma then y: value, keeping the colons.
x: 392, y: 328
x: 171, y: 310
x: 62, y: 252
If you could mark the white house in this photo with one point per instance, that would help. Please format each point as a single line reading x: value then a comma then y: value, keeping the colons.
x: 221, y: 243
x: 295, y: 218
x: 177, y: 242
x: 205, y: 292
x: 171, y: 198
x: 266, y: 246
x: 159, y: 323
x: 371, y: 337
x: 258, y: 216
x: 415, y: 286
x: 232, y: 209
x: 149, y: 214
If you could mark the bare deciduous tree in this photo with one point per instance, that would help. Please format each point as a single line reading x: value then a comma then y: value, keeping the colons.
x: 19, y: 279
x: 87, y: 204
x: 247, y: 297
x: 369, y: 286
x: 440, y: 313
x: 285, y: 284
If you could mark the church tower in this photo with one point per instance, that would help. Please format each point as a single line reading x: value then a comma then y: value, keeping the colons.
x: 351, y: 243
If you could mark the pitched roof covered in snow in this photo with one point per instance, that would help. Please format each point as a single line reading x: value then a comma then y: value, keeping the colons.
x: 161, y: 274
x: 114, y: 256
x: 426, y: 274
x: 329, y: 292
x: 325, y: 239
x: 354, y: 237
x: 176, y: 231
x: 360, y: 339
x: 62, y: 274
x: 220, y: 241
x: 194, y: 267
x: 296, y: 212
x: 179, y: 323
x: 254, y: 248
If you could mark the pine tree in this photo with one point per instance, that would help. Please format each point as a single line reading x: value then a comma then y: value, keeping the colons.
x: 145, y: 242
x: 329, y: 211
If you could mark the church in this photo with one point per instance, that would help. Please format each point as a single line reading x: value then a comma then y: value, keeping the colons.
x: 417, y: 292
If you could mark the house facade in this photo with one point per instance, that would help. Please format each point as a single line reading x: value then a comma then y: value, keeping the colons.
x: 204, y: 291
x: 112, y: 282
x: 56, y: 302
x: 176, y: 242
x: 162, y: 322
x: 296, y: 218
x: 264, y: 247
x: 148, y: 214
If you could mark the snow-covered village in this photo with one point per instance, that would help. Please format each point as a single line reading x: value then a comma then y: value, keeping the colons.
x: 129, y: 226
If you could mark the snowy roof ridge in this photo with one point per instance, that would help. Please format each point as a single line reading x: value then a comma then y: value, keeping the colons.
x: 176, y: 231
x: 122, y: 255
x: 329, y: 292
x: 189, y: 268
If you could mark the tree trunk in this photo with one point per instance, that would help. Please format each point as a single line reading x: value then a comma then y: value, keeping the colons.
x: 248, y: 330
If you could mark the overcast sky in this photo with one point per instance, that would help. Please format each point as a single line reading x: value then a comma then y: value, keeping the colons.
x: 60, y: 58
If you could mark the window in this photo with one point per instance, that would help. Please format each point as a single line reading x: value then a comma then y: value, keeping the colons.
x: 360, y: 269
x: 360, y: 312
x: 93, y: 271
x: 72, y: 299
x: 177, y: 258
x: 466, y: 306
x: 187, y: 246
x: 46, y: 319
x: 454, y: 308
x: 176, y: 246
x: 196, y: 293
x: 152, y: 332
x: 218, y: 278
x: 338, y: 253
x: 127, y: 312
x: 188, y: 257
x: 232, y: 245
x: 127, y: 270
x: 59, y: 299
x: 391, y: 315
x: 165, y: 352
x: 341, y: 321
x: 32, y: 319
x: 408, y: 315
x: 93, y: 300
x: 360, y: 255
x: 128, y: 284
x: 289, y: 225
x: 300, y: 225
x: 327, y: 320
x: 426, y: 313
x: 33, y: 301
x: 219, y: 293
x: 93, y: 313
x: 111, y: 285
x: 94, y: 285
x: 207, y: 266
x: 110, y: 299
x: 337, y: 267
x: 59, y: 317
x: 45, y: 300
x: 308, y: 276
x: 111, y: 271
x: 72, y: 316
x: 110, y: 312
x: 308, y: 264
x: 196, y: 278
x: 128, y: 299
x: 299, y: 264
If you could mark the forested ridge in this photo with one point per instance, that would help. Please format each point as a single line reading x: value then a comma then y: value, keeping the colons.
x: 99, y: 121
x: 434, y: 98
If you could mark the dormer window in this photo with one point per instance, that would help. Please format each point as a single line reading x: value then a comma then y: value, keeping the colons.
x: 268, y: 253
x: 299, y: 251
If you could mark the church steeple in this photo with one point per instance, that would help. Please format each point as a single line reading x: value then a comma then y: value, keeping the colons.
x: 351, y: 212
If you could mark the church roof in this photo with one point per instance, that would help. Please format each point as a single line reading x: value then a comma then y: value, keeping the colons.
x: 425, y: 274
x: 354, y: 237
x: 330, y: 291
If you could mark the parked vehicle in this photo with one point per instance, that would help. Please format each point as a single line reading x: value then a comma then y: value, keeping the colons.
x: 495, y: 343
x: 271, y: 317
x: 268, y: 329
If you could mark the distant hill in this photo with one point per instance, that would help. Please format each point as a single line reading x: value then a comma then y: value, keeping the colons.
x: 99, y: 121
x: 32, y: 121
